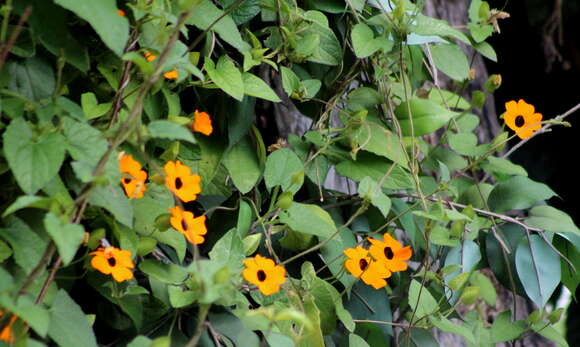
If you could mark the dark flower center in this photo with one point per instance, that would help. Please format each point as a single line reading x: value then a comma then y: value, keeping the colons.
x: 363, y: 263
x: 112, y: 262
x: 389, y: 253
x: 520, y: 121
x: 184, y: 224
x: 261, y: 276
x: 127, y: 180
x: 178, y: 183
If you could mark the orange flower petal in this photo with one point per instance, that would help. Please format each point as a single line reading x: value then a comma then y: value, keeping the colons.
x: 202, y: 123
x: 264, y: 273
x: 171, y: 75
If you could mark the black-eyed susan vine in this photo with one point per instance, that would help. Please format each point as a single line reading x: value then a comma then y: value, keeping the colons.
x: 149, y: 198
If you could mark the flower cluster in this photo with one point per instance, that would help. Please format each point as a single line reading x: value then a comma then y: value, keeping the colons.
x: 377, y: 263
x: 264, y: 273
x: 522, y: 118
x: 113, y: 261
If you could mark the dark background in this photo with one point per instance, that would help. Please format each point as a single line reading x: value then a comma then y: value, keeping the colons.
x: 545, y: 71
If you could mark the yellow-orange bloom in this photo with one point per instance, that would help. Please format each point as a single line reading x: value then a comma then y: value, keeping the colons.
x: 264, y: 273
x: 201, y: 123
x: 193, y: 228
x: 121, y: 13
x: 133, y: 177
x: 150, y: 57
x: 390, y: 253
x: 522, y: 118
x: 360, y: 265
x: 113, y: 261
x: 6, y: 334
x: 181, y: 181
x: 171, y: 75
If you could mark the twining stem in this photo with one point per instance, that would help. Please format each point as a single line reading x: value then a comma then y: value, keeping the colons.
x: 201, y: 316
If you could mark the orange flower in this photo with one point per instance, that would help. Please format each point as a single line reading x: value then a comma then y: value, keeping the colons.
x: 111, y: 260
x: 521, y: 118
x: 181, y: 181
x: 171, y: 75
x: 264, y: 273
x: 390, y: 253
x: 6, y: 334
x: 360, y: 265
x: 134, y: 178
x: 121, y: 13
x: 201, y: 123
x: 150, y: 57
x: 186, y: 223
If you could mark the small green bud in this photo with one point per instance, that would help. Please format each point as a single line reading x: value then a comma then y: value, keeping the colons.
x: 285, y: 200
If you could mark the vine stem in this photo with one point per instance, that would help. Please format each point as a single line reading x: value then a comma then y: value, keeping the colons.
x: 14, y: 36
x: 202, y: 315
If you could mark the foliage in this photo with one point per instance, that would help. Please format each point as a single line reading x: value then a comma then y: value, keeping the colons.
x: 168, y: 247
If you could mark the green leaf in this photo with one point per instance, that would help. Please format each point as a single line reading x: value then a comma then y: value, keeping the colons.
x: 427, y: 117
x: 113, y: 199
x: 364, y: 42
x: 467, y: 255
x: 102, y: 15
x: 425, y: 25
x: 226, y: 76
x: 551, y: 219
x: 244, y: 12
x: 374, y: 138
x: 466, y: 144
x: 421, y: 301
x: 570, y: 276
x: 329, y: 51
x: 232, y: 327
x: 36, y: 316
x: 369, y: 189
x: 68, y: 323
x: 503, y: 166
x: 169, y: 130
x: 308, y: 219
x: 518, y: 193
x: 548, y: 331
x: 91, y: 106
x: 281, y: 165
x: 5, y: 253
x: 255, y: 86
x: 27, y: 246
x: 450, y: 60
x: 370, y: 304
x: 229, y: 250
x: 166, y: 273
x: 242, y: 164
x: 28, y: 201
x: 452, y: 327
x: 376, y: 168
x: 290, y: 82
x: 206, y: 14
x: 503, y: 329
x: 34, y: 161
x: 486, y: 50
x: 32, y: 78
x: 180, y: 297
x: 356, y: 341
x: 538, y: 268
x: 450, y: 99
x: 67, y: 236
x: 487, y: 289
